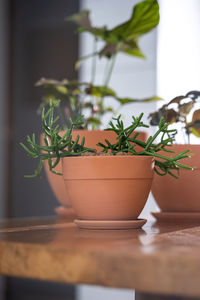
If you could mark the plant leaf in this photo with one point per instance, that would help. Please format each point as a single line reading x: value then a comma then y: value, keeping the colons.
x: 100, y: 91
x: 46, y: 81
x: 130, y: 48
x: 193, y: 94
x: 93, y: 120
x: 185, y: 108
x: 144, y: 18
x: 130, y: 100
x: 171, y: 116
x: 177, y: 100
x: 82, y: 19
x: 194, y: 126
x: 61, y: 89
x: 195, y: 131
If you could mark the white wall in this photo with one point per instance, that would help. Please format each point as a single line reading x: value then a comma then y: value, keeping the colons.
x: 178, y: 68
x: 178, y: 47
x: 132, y: 77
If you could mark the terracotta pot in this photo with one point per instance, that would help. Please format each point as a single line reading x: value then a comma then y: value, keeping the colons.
x: 108, y: 187
x: 91, y: 139
x: 182, y: 194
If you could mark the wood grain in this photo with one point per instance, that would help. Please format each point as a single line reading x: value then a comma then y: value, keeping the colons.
x: 161, y: 259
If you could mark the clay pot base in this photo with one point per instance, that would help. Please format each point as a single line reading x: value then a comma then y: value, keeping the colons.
x: 112, y: 225
x: 177, y: 217
x: 65, y: 212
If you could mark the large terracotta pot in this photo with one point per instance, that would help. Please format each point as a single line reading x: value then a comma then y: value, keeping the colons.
x: 91, y: 139
x: 182, y: 194
x: 108, y: 187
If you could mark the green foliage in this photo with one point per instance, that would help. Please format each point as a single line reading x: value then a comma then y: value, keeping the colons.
x: 70, y: 92
x: 144, y: 18
x: 178, y: 110
x: 77, y: 96
x: 145, y: 100
x: 127, y: 141
x: 55, y: 147
x: 100, y: 91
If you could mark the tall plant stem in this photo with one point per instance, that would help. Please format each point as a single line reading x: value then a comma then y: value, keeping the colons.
x: 61, y: 117
x: 110, y: 70
x: 93, y: 70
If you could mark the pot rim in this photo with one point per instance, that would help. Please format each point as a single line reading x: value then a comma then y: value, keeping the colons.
x: 189, y: 145
x: 109, y: 157
x: 108, y: 167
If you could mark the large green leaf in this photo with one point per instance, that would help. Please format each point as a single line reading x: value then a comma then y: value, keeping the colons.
x: 144, y: 18
x: 130, y: 48
x: 130, y: 100
x: 100, y: 91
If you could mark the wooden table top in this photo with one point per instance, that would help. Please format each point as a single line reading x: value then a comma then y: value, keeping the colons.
x: 157, y: 258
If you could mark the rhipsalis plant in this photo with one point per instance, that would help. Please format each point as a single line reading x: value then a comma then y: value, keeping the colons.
x: 127, y: 141
x: 55, y: 147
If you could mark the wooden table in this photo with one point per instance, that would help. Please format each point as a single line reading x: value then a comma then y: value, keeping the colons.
x: 158, y: 259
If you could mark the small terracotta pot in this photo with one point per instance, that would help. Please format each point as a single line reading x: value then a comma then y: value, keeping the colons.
x: 182, y: 194
x: 92, y: 137
x: 108, y: 187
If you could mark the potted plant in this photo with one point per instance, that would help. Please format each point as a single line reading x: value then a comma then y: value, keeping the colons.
x: 107, y: 189
x: 90, y: 98
x: 179, y: 199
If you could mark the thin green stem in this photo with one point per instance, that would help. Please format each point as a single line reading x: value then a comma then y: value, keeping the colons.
x: 61, y: 117
x: 110, y: 70
x: 126, y: 144
x: 93, y: 70
x: 55, y: 145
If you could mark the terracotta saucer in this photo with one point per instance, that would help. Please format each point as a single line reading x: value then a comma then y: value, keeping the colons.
x: 65, y: 212
x: 119, y: 224
x: 169, y: 217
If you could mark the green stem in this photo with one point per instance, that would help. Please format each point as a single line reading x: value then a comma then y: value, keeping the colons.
x: 110, y: 70
x: 61, y: 117
x: 93, y: 71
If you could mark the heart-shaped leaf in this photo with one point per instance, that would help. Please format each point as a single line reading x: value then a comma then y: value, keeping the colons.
x: 144, y: 18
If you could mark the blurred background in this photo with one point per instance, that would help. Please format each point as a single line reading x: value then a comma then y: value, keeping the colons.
x: 35, y: 42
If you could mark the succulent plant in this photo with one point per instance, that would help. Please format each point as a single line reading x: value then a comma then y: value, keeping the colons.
x: 57, y: 147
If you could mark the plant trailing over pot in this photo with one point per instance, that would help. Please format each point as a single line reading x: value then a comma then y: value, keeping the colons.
x: 180, y: 196
x: 57, y: 147
x: 107, y: 189
x: 81, y: 96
